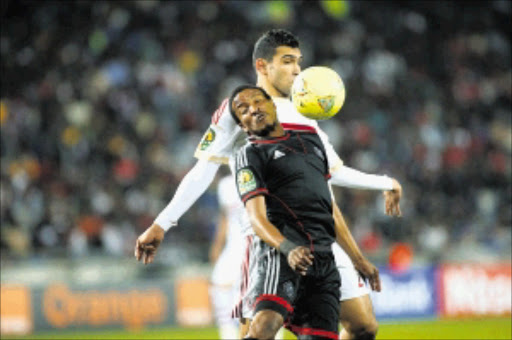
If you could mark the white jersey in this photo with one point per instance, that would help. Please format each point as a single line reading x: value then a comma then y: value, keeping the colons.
x: 224, y: 137
x: 234, y: 208
x: 230, y: 258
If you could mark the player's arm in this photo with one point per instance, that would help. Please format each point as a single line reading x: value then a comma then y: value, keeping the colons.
x: 299, y: 257
x: 344, y: 176
x: 251, y: 188
x: 219, y: 240
x: 348, y: 244
x: 193, y: 185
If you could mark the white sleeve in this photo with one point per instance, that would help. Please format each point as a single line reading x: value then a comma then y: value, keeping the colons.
x: 218, y: 141
x: 351, y: 178
x: 334, y: 160
x: 344, y: 176
x: 193, y: 185
x: 223, y: 191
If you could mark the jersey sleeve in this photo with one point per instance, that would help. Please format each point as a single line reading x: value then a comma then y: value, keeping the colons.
x: 223, y: 190
x: 333, y: 159
x: 249, y: 170
x: 217, y: 143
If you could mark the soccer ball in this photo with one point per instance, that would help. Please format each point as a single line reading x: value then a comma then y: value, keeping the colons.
x: 318, y: 92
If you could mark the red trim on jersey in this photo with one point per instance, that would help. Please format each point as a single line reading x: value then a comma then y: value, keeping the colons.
x: 260, y: 191
x: 276, y: 299
x: 313, y: 331
x: 328, y: 176
x: 298, y: 127
x: 218, y: 113
x: 270, y: 140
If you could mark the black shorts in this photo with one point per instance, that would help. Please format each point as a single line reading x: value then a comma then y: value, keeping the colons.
x: 309, y: 304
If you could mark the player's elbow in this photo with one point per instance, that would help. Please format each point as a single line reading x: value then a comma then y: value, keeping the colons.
x: 258, y: 227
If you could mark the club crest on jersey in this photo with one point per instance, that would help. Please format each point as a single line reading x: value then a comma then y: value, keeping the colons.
x: 208, y: 139
x: 245, y: 181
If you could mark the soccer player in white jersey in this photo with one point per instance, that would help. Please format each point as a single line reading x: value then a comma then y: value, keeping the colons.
x: 276, y: 58
x: 225, y: 253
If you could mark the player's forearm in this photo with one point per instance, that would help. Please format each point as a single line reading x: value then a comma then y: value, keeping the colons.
x: 265, y: 230
x: 193, y: 185
x: 347, y: 177
x: 344, y: 236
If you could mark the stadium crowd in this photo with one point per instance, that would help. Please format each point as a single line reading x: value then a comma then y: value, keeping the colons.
x: 104, y: 103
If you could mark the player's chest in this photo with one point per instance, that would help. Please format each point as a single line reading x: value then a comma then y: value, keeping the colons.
x: 295, y: 161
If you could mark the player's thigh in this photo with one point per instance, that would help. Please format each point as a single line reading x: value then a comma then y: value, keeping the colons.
x: 317, y: 306
x: 357, y: 312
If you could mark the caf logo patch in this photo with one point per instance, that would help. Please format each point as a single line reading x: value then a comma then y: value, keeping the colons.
x: 208, y: 139
x: 245, y: 181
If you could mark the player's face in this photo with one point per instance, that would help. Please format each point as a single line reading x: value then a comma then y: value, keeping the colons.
x: 283, y: 69
x: 256, y: 113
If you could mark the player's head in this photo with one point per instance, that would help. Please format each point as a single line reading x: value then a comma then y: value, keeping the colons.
x: 276, y: 58
x: 254, y: 110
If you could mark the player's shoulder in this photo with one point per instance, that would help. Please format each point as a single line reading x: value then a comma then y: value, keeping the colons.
x: 246, y: 154
x: 222, y: 111
x: 315, y: 139
x: 289, y: 116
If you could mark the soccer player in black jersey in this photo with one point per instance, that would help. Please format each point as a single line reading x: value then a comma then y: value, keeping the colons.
x: 282, y: 179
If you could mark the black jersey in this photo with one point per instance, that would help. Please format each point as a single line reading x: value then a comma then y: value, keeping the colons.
x: 292, y: 172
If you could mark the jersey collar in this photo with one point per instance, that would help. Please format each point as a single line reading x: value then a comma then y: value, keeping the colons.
x: 268, y: 140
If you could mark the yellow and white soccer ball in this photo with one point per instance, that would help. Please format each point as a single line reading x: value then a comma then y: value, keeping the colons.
x: 318, y: 92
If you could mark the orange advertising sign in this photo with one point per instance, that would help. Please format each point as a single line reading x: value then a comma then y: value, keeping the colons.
x: 133, y: 308
x: 192, y: 302
x: 15, y: 310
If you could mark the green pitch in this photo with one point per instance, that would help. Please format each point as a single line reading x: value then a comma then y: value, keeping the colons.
x: 498, y: 328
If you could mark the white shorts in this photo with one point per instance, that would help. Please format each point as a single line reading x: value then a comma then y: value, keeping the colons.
x: 225, y: 272
x: 352, y: 284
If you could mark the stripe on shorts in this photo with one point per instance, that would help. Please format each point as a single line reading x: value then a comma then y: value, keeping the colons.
x: 272, y: 274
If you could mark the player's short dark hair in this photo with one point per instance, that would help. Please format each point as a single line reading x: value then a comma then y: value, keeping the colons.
x: 266, y: 45
x: 237, y: 91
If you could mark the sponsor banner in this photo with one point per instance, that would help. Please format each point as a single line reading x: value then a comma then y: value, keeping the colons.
x: 15, y: 310
x: 193, y: 306
x: 406, y: 294
x: 475, y: 290
x: 60, y: 306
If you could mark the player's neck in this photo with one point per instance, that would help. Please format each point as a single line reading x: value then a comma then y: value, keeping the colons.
x: 278, y: 131
x: 265, y: 84
x: 271, y: 132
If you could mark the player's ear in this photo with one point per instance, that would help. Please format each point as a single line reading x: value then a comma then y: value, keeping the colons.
x: 261, y: 66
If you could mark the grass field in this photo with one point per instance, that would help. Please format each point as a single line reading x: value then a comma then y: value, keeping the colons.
x: 498, y: 328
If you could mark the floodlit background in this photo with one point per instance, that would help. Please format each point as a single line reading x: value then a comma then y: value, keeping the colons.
x: 103, y: 104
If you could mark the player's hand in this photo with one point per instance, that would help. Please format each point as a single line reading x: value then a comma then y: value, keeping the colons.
x: 300, y: 258
x: 369, y: 272
x: 148, y: 242
x: 392, y: 199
